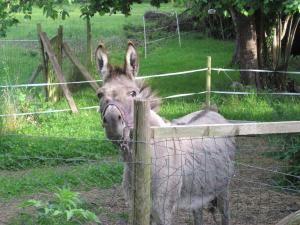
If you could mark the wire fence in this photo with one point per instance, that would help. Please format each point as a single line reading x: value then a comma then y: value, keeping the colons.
x: 264, y: 185
x: 180, y: 95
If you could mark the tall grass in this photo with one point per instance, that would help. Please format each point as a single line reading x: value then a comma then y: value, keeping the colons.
x: 43, y: 141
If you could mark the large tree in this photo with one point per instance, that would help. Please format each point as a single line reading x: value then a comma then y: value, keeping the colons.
x: 265, y: 32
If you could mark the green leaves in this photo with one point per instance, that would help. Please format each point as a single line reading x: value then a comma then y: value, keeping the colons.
x: 32, y: 202
x: 248, y: 8
x: 65, y: 206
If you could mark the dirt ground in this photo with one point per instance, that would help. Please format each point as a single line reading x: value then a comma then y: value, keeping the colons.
x: 256, y: 198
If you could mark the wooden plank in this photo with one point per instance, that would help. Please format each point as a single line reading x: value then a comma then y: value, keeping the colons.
x: 292, y: 219
x: 141, y: 178
x: 59, y: 43
x: 89, y: 57
x: 35, y: 73
x: 58, y: 71
x: 208, y: 82
x: 218, y: 130
x: 79, y: 66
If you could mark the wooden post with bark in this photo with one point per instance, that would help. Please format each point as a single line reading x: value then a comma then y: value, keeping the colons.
x: 141, y: 177
x: 292, y: 219
x: 79, y: 66
x: 208, y: 82
x: 59, y: 45
x: 44, y: 59
x: 89, y: 57
x: 57, y: 70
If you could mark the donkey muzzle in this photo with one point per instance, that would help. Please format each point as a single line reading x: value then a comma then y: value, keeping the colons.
x: 113, y: 122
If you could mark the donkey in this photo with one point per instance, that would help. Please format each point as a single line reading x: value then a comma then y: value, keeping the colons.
x: 188, y: 174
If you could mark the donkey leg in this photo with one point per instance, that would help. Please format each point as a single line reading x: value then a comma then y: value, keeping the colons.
x: 198, y: 216
x: 223, y: 206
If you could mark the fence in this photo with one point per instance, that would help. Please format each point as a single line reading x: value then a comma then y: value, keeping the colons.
x: 256, y: 188
x: 172, y: 140
x: 259, y: 205
x: 146, y: 32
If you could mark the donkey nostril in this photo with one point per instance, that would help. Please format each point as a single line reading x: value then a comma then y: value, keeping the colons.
x: 107, y: 101
x: 119, y: 117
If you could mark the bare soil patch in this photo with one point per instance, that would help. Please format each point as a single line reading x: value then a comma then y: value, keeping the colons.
x: 256, y: 197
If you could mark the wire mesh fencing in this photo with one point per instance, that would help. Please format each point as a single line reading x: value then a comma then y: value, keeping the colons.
x: 262, y: 172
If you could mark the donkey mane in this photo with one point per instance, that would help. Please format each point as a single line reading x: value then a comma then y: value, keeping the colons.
x: 115, y: 71
x: 147, y: 93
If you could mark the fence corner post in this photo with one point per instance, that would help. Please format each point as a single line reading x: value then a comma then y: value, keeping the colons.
x: 208, y: 81
x: 44, y: 59
x: 141, y: 176
x: 178, y: 29
x: 145, y: 37
x: 89, y: 56
x: 59, y: 45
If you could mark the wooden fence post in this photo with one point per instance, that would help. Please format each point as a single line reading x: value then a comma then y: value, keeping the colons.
x: 178, y: 29
x: 59, y: 53
x: 208, y: 81
x: 145, y: 37
x: 89, y: 42
x: 141, y: 177
x: 57, y: 71
x: 45, y: 60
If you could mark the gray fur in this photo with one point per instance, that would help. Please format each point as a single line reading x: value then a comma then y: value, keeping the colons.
x: 189, y: 174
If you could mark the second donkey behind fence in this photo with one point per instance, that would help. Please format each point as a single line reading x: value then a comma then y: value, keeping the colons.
x: 186, y: 173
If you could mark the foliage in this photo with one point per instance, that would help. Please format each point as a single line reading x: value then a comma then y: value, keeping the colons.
x: 290, y: 153
x: 65, y: 207
x: 56, y: 8
x: 9, y: 8
x: 52, y: 141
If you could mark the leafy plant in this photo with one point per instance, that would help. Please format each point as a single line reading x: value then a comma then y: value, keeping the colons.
x: 65, y: 207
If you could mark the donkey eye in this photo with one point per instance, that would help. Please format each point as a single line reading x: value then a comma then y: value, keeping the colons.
x: 133, y: 93
x: 100, y: 95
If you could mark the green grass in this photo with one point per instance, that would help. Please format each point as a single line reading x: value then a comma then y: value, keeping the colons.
x: 41, y: 149
x: 101, y: 174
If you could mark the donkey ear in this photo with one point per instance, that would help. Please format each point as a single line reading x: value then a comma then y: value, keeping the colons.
x: 102, y: 61
x: 131, y: 61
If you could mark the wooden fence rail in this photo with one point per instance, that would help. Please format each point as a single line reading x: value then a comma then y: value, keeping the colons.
x: 58, y: 71
x: 79, y: 66
x: 219, y: 130
x: 142, y: 151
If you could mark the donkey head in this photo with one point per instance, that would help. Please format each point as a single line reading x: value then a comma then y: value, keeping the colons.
x: 118, y: 92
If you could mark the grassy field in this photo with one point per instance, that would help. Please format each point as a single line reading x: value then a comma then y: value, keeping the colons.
x: 38, y: 153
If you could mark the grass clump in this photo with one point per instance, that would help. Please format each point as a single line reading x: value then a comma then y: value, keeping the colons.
x: 66, y: 208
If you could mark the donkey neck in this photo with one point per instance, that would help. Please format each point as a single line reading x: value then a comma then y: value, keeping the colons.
x: 156, y: 120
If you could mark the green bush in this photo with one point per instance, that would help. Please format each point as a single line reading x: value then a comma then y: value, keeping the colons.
x: 65, y: 208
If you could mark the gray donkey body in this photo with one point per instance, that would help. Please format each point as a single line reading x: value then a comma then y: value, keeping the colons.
x: 186, y: 173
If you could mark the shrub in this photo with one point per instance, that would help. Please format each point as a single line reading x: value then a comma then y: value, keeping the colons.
x: 64, y: 208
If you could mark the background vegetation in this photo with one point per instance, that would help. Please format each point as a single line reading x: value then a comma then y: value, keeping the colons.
x: 40, y: 152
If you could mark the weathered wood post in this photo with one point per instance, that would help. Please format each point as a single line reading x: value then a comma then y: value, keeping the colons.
x: 178, y: 29
x: 208, y: 81
x: 292, y: 219
x: 141, y: 177
x: 45, y: 60
x: 59, y: 50
x: 56, y: 42
x: 89, y: 56
x: 145, y: 37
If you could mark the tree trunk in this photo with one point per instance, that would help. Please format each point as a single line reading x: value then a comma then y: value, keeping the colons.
x: 235, y: 57
x: 284, y: 34
x: 245, y: 27
x: 262, y: 50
